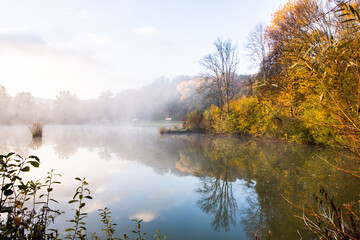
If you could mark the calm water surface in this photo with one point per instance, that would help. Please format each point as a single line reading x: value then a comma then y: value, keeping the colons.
x: 188, y: 186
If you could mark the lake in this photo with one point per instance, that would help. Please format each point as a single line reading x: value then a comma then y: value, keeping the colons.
x: 190, y: 186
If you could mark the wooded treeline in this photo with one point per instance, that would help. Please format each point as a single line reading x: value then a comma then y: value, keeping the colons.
x: 307, y: 87
x: 161, y: 99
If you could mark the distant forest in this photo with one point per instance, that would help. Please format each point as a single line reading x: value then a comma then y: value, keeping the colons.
x: 164, y: 98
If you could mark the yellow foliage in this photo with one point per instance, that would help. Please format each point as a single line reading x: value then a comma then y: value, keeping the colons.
x: 17, y: 221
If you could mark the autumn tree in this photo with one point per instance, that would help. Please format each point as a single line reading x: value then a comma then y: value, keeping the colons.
x: 319, y: 49
x: 315, y: 31
x: 293, y: 25
x: 220, y: 65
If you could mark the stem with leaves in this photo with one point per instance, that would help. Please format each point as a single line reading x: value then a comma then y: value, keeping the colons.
x: 79, y: 228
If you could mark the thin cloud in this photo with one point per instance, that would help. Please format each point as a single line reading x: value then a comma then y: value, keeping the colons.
x: 19, y: 37
x: 83, y: 14
x: 147, y: 31
x: 145, y: 216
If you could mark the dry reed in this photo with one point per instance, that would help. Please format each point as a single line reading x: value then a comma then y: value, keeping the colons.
x: 36, y: 129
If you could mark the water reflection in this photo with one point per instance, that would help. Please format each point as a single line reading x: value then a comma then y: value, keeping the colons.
x: 267, y: 171
x: 35, y: 143
x: 236, y: 183
x: 216, y: 195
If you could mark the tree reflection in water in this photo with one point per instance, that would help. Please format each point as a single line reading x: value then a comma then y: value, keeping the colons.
x: 264, y: 172
x: 216, y: 196
x: 253, y: 218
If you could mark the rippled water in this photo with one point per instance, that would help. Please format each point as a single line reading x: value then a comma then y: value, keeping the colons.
x: 188, y: 186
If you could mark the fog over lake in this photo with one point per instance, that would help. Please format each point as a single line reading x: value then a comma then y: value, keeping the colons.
x: 188, y: 186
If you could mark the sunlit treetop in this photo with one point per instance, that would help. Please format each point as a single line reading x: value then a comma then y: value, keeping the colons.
x: 289, y: 10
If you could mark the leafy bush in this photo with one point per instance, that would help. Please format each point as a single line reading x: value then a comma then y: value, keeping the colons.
x: 195, y: 121
x: 246, y: 116
x: 20, y: 222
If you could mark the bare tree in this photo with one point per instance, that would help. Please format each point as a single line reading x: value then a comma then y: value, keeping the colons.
x: 257, y: 47
x: 221, y: 66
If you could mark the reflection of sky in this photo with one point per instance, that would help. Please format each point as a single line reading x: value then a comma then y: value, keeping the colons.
x: 131, y: 190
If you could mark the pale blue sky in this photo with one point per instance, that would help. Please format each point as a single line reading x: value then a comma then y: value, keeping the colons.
x: 88, y: 46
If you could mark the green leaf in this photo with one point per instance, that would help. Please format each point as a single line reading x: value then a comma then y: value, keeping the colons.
x: 8, y: 192
x: 344, y: 15
x: 348, y: 20
x: 301, y: 48
x: 34, y: 157
x: 72, y: 201
x: 6, y: 186
x: 340, y: 9
x: 76, y: 193
x: 23, y: 187
x: 25, y: 169
x: 306, y: 53
x: 35, y: 164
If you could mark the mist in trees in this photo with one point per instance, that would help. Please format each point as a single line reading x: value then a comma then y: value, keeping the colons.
x: 163, y: 98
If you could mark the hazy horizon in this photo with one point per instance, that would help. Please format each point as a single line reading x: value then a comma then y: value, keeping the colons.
x: 88, y: 47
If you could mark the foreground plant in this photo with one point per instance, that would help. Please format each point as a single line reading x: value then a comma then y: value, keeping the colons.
x: 79, y: 228
x: 17, y: 221
x: 109, y: 226
x: 330, y: 221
